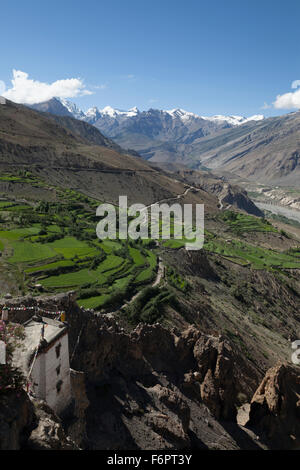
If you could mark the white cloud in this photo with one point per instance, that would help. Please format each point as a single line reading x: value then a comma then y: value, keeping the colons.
x: 289, y: 100
x: 28, y: 91
x: 296, y: 84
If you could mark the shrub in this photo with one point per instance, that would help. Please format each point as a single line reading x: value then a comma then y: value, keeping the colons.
x: 149, y: 305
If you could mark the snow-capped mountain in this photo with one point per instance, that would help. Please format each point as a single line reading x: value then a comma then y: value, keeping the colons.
x: 92, y: 115
x: 155, y: 134
x: 73, y: 109
x: 95, y: 113
x: 234, y: 120
x: 231, y: 120
x: 109, y: 111
x: 176, y: 113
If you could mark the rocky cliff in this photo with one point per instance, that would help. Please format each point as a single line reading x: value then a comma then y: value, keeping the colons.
x: 155, y: 388
x: 26, y: 423
x: 275, y: 407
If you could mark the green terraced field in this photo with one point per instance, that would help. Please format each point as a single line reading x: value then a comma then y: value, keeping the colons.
x: 4, y: 204
x: 145, y: 275
x: 108, y: 245
x: 26, y: 252
x: 110, y: 263
x: 54, y: 244
x: 241, y: 223
x: 259, y: 258
x: 94, y: 302
x: 18, y: 233
x: 151, y: 259
x: 123, y: 282
x: 69, y: 247
x: 137, y: 256
x: 50, y: 266
x: 77, y: 278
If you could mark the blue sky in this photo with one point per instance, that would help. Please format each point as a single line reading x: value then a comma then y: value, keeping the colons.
x: 208, y: 57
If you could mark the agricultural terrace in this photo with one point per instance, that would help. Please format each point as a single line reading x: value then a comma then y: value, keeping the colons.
x: 54, y: 245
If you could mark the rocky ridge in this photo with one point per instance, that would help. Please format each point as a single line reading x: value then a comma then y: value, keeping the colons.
x: 129, y: 395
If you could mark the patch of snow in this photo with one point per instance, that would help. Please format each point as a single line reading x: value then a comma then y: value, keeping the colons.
x: 108, y: 110
x: 92, y: 112
x: 231, y: 120
x: 72, y: 108
x: 180, y: 113
x: 234, y: 120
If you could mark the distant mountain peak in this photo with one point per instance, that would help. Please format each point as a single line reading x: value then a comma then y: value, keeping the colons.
x: 181, y: 114
x: 72, y: 108
x: 117, y: 112
x: 156, y: 134
x: 134, y: 109
x: 94, y: 113
x: 234, y: 120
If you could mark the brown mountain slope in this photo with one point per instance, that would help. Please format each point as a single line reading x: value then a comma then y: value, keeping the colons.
x: 268, y: 151
x: 64, y: 152
x: 228, y: 194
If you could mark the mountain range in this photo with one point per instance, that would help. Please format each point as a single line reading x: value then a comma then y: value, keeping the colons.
x: 74, y: 154
x: 254, y: 148
x: 158, y: 135
x: 267, y: 151
x: 64, y: 107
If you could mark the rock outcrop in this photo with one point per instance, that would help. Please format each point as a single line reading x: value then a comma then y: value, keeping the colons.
x: 275, y: 407
x: 76, y: 424
x: 148, y: 379
x: 216, y: 361
x: 30, y: 424
x: 149, y: 388
x: 16, y: 420
x: 48, y: 433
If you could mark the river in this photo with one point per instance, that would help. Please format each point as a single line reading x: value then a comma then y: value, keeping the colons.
x: 280, y: 210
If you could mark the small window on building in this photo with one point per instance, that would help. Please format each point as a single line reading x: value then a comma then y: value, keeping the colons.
x: 58, y: 370
x: 57, y: 350
x: 58, y: 386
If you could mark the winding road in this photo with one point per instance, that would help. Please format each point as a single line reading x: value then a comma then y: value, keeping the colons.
x: 161, y: 267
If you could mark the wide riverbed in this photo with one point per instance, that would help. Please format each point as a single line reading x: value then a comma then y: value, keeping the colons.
x: 280, y: 210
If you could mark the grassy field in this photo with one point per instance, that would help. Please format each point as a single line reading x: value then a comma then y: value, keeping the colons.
x: 19, y: 233
x: 50, y: 266
x: 137, y: 256
x: 30, y: 252
x: 259, y: 258
x: 69, y: 247
x: 241, y: 223
x: 237, y: 250
x: 54, y: 244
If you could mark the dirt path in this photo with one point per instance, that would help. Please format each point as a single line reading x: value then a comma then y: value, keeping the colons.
x: 161, y: 267
x: 160, y: 272
x: 159, y: 276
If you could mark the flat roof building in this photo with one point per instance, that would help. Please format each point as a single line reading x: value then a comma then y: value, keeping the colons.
x: 43, y: 356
